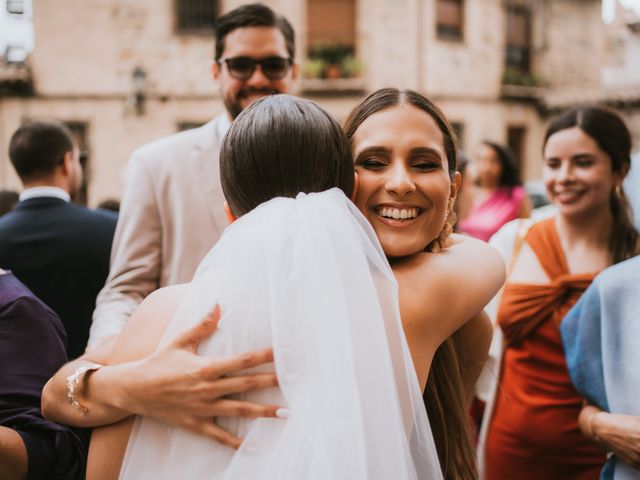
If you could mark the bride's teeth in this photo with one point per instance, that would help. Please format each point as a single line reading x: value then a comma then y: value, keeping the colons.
x: 396, y: 213
x: 403, y: 214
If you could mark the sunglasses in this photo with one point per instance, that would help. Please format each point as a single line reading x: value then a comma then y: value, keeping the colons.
x: 242, y: 68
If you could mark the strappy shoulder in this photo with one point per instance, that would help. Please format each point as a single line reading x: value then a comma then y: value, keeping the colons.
x: 545, y: 243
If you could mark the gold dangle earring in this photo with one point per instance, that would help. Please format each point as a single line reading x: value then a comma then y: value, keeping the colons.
x: 440, y: 243
x: 617, y: 190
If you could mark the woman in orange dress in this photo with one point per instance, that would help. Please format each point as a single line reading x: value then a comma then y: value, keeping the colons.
x: 533, y: 432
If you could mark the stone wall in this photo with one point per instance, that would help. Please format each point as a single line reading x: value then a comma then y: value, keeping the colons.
x: 86, y: 52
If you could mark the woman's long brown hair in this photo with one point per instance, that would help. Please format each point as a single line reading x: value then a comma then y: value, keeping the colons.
x: 444, y: 395
x: 447, y: 409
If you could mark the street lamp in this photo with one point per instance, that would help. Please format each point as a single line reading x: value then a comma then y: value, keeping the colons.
x: 139, y: 77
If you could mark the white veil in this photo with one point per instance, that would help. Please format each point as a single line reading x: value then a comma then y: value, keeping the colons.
x: 308, y: 277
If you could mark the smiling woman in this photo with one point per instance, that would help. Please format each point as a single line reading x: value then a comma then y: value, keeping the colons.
x: 405, y: 190
x: 407, y: 183
x: 587, y: 156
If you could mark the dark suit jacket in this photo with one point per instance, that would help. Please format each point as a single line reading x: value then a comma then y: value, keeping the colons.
x: 61, y: 252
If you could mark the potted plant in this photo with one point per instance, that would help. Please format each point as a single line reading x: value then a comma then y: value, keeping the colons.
x: 333, y: 56
x: 351, y: 66
x: 314, y: 68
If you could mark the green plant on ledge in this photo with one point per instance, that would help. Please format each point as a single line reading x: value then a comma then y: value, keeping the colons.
x: 332, y: 60
x: 513, y: 76
x: 351, y: 66
x: 314, y: 68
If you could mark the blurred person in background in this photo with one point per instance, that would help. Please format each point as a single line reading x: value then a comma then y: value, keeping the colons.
x: 8, y: 199
x: 497, y: 194
x: 530, y: 429
x: 58, y: 249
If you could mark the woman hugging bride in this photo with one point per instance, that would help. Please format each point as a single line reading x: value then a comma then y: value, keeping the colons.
x: 302, y: 270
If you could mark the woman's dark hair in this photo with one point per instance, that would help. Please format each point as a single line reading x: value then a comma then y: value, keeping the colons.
x: 611, y: 134
x: 280, y: 146
x: 510, y: 176
x: 444, y: 394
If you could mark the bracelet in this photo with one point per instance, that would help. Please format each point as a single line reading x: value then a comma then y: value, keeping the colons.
x: 73, y: 381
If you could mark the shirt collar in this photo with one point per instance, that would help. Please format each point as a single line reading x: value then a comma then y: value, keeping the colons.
x: 37, y: 192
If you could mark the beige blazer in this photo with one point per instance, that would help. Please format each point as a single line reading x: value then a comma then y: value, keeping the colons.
x: 170, y: 217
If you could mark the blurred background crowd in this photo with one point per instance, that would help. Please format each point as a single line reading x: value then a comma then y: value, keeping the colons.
x: 120, y: 74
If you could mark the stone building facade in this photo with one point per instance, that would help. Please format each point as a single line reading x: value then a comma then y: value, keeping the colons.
x: 122, y: 72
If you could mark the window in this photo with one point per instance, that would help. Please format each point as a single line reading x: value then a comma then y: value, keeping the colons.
x: 196, y: 15
x: 518, y: 48
x: 15, y: 7
x: 515, y: 139
x: 450, y: 19
x: 331, y: 39
x: 331, y: 21
x: 79, y: 132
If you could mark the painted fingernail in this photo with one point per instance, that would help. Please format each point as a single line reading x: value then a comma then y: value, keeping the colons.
x: 283, y: 413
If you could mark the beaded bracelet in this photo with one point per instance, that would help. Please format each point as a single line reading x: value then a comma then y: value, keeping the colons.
x: 73, y: 381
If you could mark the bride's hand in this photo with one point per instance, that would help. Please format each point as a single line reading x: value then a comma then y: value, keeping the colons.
x: 176, y: 386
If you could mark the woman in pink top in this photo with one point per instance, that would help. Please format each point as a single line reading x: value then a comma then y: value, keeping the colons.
x: 498, y: 195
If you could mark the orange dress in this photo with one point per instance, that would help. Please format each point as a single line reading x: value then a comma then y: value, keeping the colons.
x: 534, y: 431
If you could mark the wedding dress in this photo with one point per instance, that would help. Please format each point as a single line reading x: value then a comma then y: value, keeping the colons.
x: 308, y: 277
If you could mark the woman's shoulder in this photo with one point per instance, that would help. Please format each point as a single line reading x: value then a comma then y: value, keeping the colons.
x: 147, y: 324
x: 165, y: 297
x: 464, y: 255
x: 452, y: 286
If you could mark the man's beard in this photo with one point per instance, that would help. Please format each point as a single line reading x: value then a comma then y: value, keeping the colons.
x: 232, y: 104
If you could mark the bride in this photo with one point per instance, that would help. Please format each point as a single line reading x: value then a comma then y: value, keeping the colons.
x: 306, y: 275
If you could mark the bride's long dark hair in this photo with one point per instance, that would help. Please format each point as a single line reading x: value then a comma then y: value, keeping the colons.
x: 444, y: 394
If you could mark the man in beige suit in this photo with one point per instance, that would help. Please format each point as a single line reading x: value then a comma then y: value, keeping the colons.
x: 172, y: 206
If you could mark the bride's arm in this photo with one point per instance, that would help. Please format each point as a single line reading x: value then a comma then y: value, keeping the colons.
x: 172, y: 385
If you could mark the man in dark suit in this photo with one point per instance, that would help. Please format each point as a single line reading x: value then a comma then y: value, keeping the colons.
x: 58, y: 249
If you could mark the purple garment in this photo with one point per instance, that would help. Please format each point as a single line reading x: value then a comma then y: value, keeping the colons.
x: 487, y: 218
x: 32, y: 349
